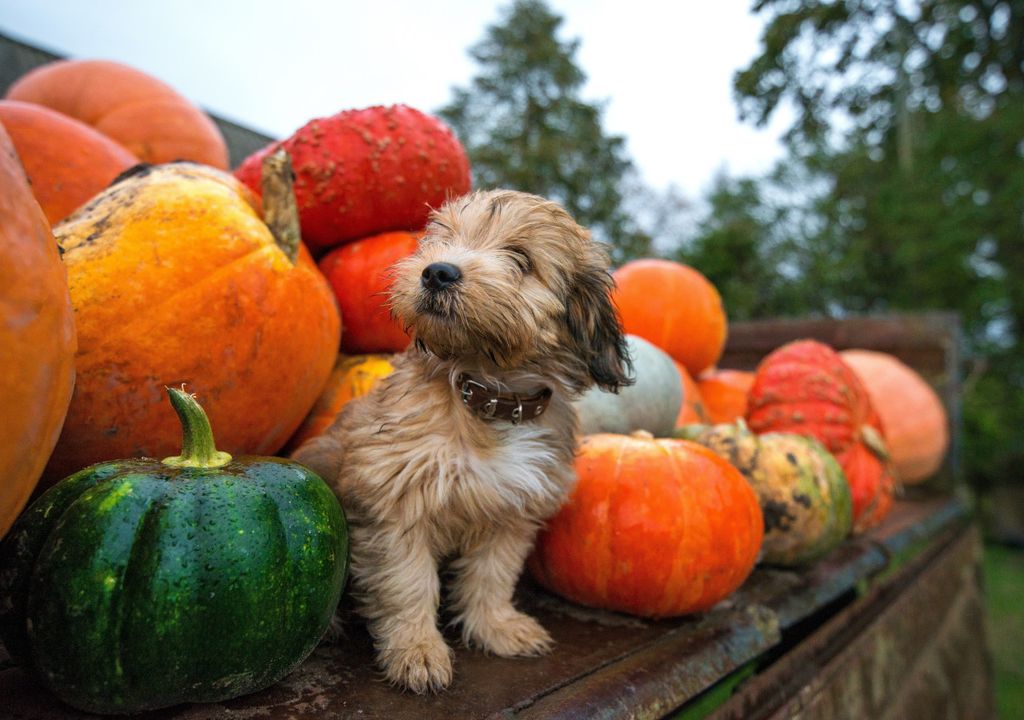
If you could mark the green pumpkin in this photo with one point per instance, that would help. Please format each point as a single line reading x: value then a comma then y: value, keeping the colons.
x: 139, y: 584
x: 802, y: 490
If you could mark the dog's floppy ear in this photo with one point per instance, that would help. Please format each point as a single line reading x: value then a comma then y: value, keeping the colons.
x: 594, y: 326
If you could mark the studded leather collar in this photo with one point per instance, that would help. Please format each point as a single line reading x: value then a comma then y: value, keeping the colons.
x: 489, y: 404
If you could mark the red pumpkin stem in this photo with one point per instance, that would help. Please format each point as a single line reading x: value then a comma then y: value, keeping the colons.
x: 280, y: 211
x: 197, y: 447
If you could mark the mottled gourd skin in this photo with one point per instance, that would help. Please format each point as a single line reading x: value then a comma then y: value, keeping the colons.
x: 801, y: 488
x: 132, y: 585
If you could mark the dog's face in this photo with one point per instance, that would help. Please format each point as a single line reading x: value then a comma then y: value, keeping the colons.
x: 511, y: 278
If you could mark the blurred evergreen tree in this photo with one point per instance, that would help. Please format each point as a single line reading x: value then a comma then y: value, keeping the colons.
x: 911, y: 117
x: 525, y: 126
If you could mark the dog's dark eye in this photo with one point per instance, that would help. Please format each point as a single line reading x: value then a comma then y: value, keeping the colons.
x: 521, y: 258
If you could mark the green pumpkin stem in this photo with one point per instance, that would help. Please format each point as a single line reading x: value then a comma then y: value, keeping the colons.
x: 280, y: 211
x: 197, y: 448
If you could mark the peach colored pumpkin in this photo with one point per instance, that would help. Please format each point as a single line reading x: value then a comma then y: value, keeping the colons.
x: 915, y: 422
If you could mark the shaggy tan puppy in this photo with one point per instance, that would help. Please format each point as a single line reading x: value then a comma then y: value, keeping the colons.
x: 467, y: 447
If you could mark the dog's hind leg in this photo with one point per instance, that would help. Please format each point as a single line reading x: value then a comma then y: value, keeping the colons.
x: 485, y: 578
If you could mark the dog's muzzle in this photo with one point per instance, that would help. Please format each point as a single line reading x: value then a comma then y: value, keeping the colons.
x: 489, y: 404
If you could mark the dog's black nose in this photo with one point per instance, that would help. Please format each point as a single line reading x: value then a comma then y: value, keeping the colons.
x: 439, y: 275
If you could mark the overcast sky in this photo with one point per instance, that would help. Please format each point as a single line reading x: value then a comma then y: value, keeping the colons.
x: 664, y: 68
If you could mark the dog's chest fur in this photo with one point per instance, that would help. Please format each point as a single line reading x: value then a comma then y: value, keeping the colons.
x: 424, y: 456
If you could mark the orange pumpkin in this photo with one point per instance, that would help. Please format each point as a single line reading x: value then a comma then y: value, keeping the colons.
x: 175, y: 278
x: 145, y: 115
x: 693, y: 411
x: 654, y: 527
x: 353, y: 376
x: 725, y: 394
x: 37, y: 334
x: 67, y: 162
x: 675, y: 307
x: 916, y: 427
x: 358, y: 274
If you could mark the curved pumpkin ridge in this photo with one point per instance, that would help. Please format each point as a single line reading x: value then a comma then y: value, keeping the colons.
x: 682, y: 577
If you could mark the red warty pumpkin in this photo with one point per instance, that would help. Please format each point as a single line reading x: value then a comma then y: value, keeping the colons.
x: 363, y: 172
x: 804, y: 387
x: 37, y: 338
x: 67, y: 162
x: 358, y: 274
x: 674, y: 307
x: 654, y: 527
x: 916, y: 428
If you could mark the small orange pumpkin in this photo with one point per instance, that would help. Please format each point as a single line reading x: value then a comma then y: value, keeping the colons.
x: 353, y: 376
x: 673, y: 306
x: 37, y: 334
x: 67, y: 162
x: 358, y: 274
x: 145, y: 115
x: 725, y: 394
x: 654, y: 527
x: 916, y: 427
x: 176, y: 278
x: 693, y: 411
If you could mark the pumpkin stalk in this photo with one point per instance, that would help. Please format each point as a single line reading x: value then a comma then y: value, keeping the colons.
x: 197, y: 447
x: 280, y: 211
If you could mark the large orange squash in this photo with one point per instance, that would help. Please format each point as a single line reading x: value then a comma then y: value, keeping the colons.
x: 916, y: 428
x: 37, y: 338
x: 654, y: 527
x: 144, y: 114
x: 725, y: 394
x: 67, y: 162
x: 175, y: 278
x: 358, y: 274
x: 804, y: 387
x: 353, y: 376
x: 675, y: 307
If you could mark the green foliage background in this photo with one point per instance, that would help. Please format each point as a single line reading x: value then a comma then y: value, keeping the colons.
x: 902, y: 188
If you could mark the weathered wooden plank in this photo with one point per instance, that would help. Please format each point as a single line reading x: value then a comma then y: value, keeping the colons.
x: 912, y: 648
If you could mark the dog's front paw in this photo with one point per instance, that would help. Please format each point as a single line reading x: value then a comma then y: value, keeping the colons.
x: 421, y: 667
x: 513, y: 634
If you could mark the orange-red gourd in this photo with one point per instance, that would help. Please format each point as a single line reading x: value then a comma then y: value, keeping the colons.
x: 67, y: 162
x: 725, y: 394
x: 804, y: 387
x: 654, y: 527
x: 358, y: 274
x: 37, y: 338
x: 675, y: 307
x: 145, y: 115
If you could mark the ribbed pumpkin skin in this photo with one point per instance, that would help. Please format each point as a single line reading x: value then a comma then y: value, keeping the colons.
x: 651, y: 403
x: 145, y: 115
x: 692, y: 411
x: 725, y: 394
x: 363, y: 172
x: 358, y: 274
x: 175, y: 278
x: 66, y: 161
x: 655, y: 528
x: 37, y: 338
x: 804, y: 387
x: 802, y: 490
x: 916, y: 426
x: 132, y: 585
x: 353, y: 376
x: 673, y: 306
